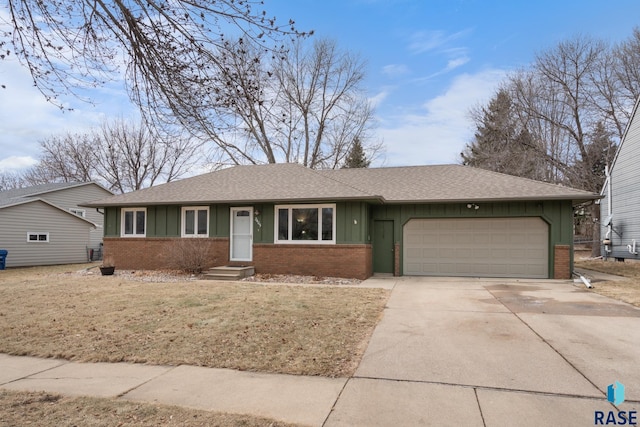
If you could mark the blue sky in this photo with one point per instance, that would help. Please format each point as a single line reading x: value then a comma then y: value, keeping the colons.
x: 428, y: 63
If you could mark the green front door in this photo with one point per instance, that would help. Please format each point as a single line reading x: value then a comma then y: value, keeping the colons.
x: 383, y: 246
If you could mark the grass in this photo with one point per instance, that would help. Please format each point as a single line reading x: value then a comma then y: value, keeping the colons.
x: 57, y: 312
x: 627, y: 290
x: 45, y: 409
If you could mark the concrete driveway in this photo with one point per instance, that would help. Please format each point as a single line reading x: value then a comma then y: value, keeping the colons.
x: 493, y: 352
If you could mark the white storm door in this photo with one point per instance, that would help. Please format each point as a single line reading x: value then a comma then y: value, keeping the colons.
x: 241, y: 234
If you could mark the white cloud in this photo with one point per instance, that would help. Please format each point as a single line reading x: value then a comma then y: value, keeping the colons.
x: 378, y: 98
x: 14, y: 163
x: 437, y: 131
x: 395, y: 70
x: 455, y: 63
x: 27, y: 118
x: 425, y: 41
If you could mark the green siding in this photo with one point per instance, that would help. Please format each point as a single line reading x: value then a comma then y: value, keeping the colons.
x: 352, y: 223
x: 219, y: 221
x: 163, y: 221
x: 112, y: 222
x: 263, y: 224
x: 558, y: 214
x: 354, y: 220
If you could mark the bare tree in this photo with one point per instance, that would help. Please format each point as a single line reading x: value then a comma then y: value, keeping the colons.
x: 304, y: 105
x: 560, y: 104
x: 628, y: 70
x: 120, y: 155
x: 64, y: 158
x: 322, y: 89
x: 10, y: 180
x: 70, y: 45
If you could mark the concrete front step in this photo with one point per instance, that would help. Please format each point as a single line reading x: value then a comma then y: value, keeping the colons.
x: 229, y: 273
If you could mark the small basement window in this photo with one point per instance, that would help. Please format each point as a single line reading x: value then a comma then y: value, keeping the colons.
x: 37, y: 237
x: 79, y: 212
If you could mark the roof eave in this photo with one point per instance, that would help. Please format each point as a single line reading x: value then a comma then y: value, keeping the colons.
x: 378, y: 199
x: 574, y: 199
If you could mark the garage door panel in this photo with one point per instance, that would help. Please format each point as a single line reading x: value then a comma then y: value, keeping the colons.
x: 483, y: 247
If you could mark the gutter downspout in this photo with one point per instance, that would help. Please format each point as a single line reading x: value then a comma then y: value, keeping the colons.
x: 584, y: 280
x: 607, y: 237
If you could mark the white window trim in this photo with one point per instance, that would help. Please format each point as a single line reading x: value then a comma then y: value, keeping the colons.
x: 184, y: 222
x: 80, y: 212
x: 290, y: 228
x: 37, y: 233
x: 122, y: 213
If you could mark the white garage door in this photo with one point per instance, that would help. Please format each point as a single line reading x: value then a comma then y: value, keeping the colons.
x: 482, y: 247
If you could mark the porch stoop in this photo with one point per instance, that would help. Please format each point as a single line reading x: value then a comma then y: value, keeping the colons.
x: 229, y: 273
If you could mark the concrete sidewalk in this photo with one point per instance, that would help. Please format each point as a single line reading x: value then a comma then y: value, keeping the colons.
x: 485, y: 352
x: 290, y: 398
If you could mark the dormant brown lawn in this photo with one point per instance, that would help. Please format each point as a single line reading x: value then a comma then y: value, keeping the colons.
x: 58, y: 312
x: 45, y: 410
x: 625, y: 290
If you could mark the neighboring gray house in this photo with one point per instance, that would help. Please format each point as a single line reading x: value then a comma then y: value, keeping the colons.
x: 620, y: 207
x: 44, y: 224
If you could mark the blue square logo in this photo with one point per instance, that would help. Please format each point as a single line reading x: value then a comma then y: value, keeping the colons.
x: 615, y: 393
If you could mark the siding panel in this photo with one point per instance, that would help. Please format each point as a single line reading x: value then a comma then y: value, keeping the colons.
x: 70, y: 198
x: 558, y: 214
x: 68, y: 236
x: 625, y: 197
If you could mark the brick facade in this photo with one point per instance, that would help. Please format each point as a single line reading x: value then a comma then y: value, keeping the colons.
x: 160, y: 253
x: 352, y: 261
x: 396, y: 259
x: 562, y: 262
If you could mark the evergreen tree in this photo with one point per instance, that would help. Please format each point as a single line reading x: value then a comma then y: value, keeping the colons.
x: 500, y: 144
x: 356, y: 157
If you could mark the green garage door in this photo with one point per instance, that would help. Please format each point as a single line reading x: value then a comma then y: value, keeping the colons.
x: 479, y: 247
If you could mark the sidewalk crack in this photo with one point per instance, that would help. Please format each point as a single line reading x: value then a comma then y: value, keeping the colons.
x: 475, y: 392
x: 171, y: 368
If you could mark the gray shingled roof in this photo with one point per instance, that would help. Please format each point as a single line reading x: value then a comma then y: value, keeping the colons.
x: 37, y: 190
x: 452, y: 183
x: 292, y: 183
x: 22, y: 195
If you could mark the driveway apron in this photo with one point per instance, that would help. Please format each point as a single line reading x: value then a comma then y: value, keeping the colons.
x: 493, y: 352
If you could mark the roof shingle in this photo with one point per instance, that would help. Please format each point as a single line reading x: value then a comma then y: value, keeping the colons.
x: 293, y: 182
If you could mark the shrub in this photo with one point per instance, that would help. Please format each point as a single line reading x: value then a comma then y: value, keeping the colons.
x: 191, y: 255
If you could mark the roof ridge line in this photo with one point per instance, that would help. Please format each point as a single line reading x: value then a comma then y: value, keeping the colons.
x: 327, y: 175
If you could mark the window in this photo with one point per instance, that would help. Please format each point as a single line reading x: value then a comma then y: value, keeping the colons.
x: 195, y: 221
x: 134, y: 222
x: 79, y: 212
x: 305, y: 224
x: 37, y: 237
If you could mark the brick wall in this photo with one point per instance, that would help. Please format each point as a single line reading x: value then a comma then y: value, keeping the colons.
x: 562, y: 262
x: 160, y: 253
x: 396, y: 259
x: 353, y: 261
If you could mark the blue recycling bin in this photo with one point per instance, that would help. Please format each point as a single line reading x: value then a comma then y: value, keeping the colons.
x: 3, y: 258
